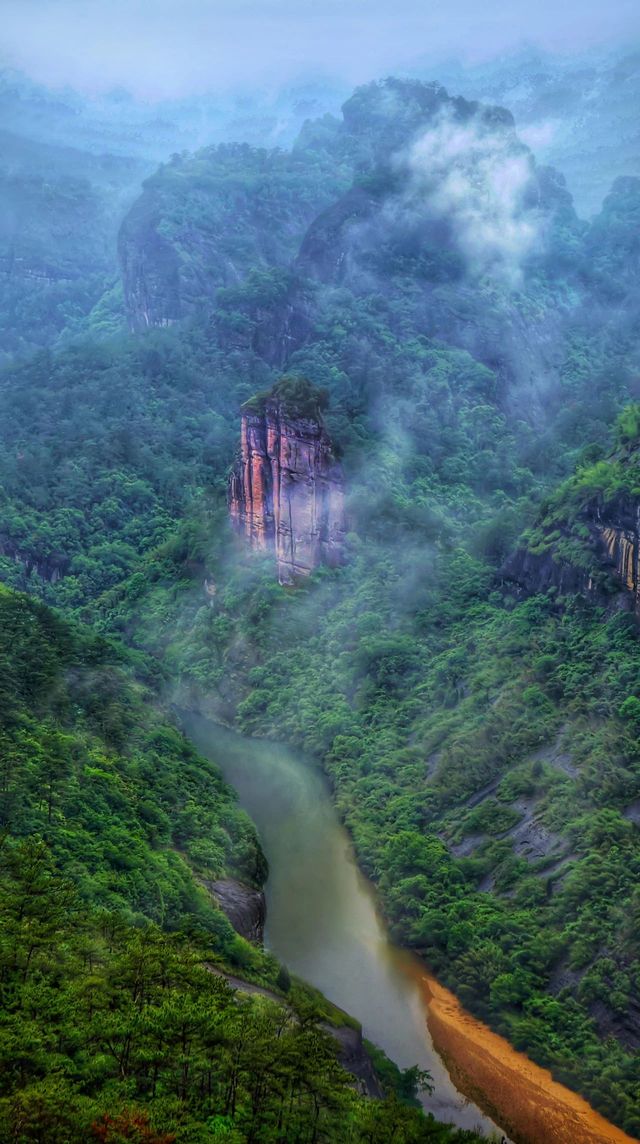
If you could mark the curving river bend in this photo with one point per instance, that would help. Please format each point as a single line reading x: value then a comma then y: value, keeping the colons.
x: 321, y: 914
x: 322, y: 922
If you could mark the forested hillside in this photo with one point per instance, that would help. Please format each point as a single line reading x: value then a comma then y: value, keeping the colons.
x: 478, y: 357
x: 114, y: 1023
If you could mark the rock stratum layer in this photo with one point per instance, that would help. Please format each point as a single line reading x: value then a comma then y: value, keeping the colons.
x: 612, y: 574
x: 286, y: 491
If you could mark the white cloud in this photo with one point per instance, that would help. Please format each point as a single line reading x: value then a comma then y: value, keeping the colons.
x: 539, y: 136
x: 477, y: 179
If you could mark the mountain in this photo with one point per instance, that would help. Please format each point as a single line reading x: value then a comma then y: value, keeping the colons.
x: 207, y: 221
x: 578, y: 112
x: 140, y: 1014
x: 470, y: 348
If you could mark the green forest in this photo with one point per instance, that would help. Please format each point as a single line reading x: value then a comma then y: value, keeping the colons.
x: 467, y: 676
x: 118, y: 1019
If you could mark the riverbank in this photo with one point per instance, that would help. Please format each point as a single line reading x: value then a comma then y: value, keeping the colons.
x: 520, y: 1095
x: 322, y: 919
x: 329, y: 931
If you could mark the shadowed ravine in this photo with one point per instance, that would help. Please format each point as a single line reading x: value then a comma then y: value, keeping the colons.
x: 323, y: 924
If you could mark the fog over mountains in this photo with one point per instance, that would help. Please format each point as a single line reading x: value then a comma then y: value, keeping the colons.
x: 319, y: 426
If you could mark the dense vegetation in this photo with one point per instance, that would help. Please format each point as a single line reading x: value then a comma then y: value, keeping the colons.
x: 483, y: 747
x: 114, y: 1026
x: 484, y: 754
x: 114, y: 1033
x: 129, y: 810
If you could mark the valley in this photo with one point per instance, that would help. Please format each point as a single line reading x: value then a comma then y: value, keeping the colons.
x: 320, y: 563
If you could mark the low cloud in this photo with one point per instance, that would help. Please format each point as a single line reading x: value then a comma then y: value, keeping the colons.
x: 167, y: 48
x: 539, y: 136
x: 479, y: 181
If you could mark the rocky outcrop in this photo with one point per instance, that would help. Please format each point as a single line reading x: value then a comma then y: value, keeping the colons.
x: 531, y: 573
x: 620, y: 538
x: 354, y: 1058
x: 50, y: 567
x: 608, y: 568
x: 244, y: 907
x: 352, y: 1051
x: 286, y: 492
x: 150, y: 267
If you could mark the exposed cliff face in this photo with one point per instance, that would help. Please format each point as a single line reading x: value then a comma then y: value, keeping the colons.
x: 622, y: 546
x: 355, y: 1059
x: 150, y: 270
x: 530, y: 573
x: 613, y: 544
x: 205, y: 223
x: 286, y: 492
x: 244, y: 907
x: 51, y: 567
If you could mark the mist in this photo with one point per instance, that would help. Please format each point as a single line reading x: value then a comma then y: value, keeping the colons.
x: 169, y: 49
x: 477, y: 180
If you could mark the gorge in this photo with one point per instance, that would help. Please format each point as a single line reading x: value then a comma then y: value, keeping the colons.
x: 323, y: 922
x: 340, y: 448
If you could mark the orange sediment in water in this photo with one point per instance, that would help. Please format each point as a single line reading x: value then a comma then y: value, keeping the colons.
x: 520, y: 1095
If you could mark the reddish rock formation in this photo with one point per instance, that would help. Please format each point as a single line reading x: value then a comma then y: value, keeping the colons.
x: 286, y: 491
x: 623, y: 550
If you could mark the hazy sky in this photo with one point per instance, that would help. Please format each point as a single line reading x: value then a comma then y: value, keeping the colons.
x: 172, y: 47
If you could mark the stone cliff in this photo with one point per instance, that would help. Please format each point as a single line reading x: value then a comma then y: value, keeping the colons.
x: 604, y: 566
x: 286, y: 491
x: 621, y: 542
x: 49, y: 566
x: 243, y: 905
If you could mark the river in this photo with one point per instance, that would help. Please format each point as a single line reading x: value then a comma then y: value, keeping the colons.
x: 322, y: 920
x: 323, y: 923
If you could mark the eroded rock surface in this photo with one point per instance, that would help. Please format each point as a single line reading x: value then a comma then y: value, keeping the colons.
x: 608, y: 571
x: 286, y: 492
x: 244, y: 907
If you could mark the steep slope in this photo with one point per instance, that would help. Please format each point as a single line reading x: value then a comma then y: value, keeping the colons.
x: 204, y: 221
x: 286, y: 490
x: 483, y: 748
